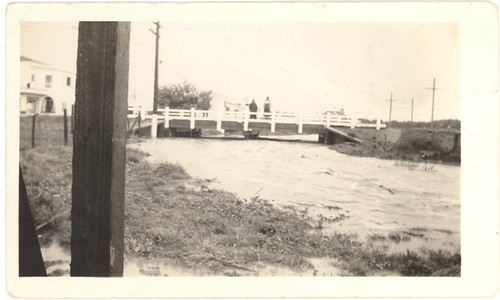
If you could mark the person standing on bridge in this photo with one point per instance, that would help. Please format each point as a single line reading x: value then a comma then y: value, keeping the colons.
x: 267, y: 107
x: 253, y: 110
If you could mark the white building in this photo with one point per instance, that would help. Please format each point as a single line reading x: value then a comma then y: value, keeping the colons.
x: 45, y: 90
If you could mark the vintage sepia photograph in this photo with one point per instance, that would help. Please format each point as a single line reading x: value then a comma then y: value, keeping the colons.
x: 192, y: 147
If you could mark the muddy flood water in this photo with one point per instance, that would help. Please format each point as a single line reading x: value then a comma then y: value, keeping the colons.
x: 365, y: 196
x: 417, y: 205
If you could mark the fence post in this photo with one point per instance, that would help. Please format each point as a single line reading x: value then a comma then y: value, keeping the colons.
x: 246, y: 116
x: 167, y: 117
x: 300, y: 122
x: 353, y: 122
x: 273, y: 121
x: 33, y: 131
x: 154, y: 126
x: 192, y: 120
x: 219, y: 120
x: 328, y: 115
x: 72, y: 114
x: 378, y: 124
x: 65, y: 128
x: 139, y: 124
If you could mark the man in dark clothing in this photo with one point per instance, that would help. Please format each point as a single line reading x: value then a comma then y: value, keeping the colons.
x: 253, y: 110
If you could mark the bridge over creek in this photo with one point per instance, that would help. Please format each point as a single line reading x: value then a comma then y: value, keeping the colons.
x: 178, y: 122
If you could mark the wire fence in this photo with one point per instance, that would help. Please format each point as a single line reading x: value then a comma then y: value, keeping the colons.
x: 37, y: 130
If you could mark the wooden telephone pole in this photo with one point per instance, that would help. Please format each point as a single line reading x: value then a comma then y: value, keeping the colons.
x: 97, y: 214
x: 155, y: 98
x: 433, y: 92
x: 412, y: 110
x: 390, y: 110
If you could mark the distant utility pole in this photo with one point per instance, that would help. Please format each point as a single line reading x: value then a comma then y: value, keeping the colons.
x: 390, y: 109
x: 412, y: 110
x: 433, y: 91
x: 157, y: 33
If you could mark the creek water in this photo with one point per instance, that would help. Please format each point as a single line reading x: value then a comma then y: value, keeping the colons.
x: 363, y: 196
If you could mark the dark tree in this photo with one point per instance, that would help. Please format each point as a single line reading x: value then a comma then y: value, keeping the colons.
x: 184, y: 96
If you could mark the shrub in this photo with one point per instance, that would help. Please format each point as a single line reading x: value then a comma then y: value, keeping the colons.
x: 420, y: 140
x: 174, y: 171
x: 135, y: 156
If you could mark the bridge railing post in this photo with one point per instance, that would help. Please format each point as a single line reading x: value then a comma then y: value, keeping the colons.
x: 219, y: 120
x: 273, y: 121
x: 246, y: 116
x: 328, y: 117
x: 192, y: 120
x: 167, y: 117
x: 154, y: 126
x: 353, y: 122
x: 301, y: 122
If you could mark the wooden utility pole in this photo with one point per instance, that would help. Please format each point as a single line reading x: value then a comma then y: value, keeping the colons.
x: 412, y: 110
x: 433, y: 92
x: 157, y: 33
x: 390, y: 110
x: 99, y: 149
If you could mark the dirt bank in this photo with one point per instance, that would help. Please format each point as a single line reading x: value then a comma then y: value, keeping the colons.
x: 413, y: 144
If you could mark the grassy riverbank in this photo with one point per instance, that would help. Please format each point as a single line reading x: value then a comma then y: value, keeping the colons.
x: 170, y: 215
x: 407, y: 144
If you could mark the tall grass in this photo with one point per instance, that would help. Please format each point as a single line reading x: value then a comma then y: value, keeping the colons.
x: 47, y: 174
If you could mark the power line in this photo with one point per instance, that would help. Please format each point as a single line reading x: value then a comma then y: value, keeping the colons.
x: 287, y: 69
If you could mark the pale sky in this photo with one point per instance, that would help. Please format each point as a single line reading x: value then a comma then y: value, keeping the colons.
x: 308, y: 67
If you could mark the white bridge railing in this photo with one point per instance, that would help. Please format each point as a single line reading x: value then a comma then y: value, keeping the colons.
x: 327, y: 120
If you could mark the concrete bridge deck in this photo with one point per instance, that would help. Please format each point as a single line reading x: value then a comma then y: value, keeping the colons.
x: 168, y: 120
x: 245, y: 120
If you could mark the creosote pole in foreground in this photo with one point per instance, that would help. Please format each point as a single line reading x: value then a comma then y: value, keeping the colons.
x: 99, y: 149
